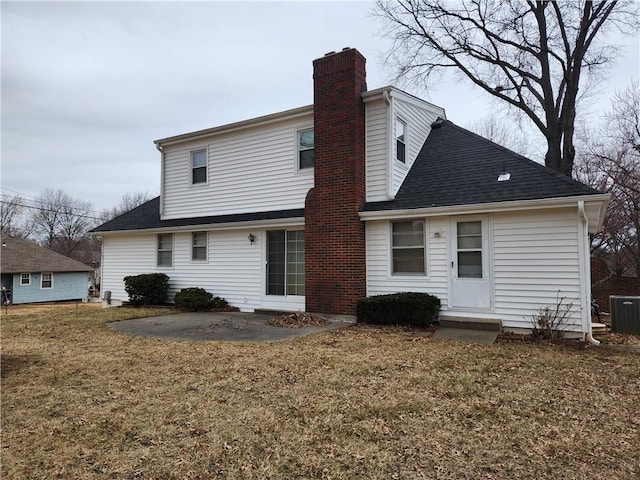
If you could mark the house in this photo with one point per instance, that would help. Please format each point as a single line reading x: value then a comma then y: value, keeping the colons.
x: 31, y: 273
x: 361, y: 193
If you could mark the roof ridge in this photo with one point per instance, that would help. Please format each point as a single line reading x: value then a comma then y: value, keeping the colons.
x: 541, y: 167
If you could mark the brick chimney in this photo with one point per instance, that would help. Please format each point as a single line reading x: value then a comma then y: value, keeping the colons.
x: 335, y: 264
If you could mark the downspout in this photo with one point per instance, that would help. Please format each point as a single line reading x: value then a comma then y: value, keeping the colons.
x: 160, y: 148
x: 585, y: 274
x: 389, y: 101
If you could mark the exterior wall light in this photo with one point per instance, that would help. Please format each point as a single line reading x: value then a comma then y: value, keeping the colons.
x: 252, y: 238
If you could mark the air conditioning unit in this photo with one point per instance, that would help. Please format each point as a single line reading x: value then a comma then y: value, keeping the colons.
x: 625, y: 314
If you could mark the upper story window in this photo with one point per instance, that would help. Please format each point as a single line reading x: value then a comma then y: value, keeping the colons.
x: 25, y: 279
x: 199, y: 166
x: 199, y: 246
x: 305, y: 149
x: 408, y: 247
x: 401, y: 132
x: 46, y: 281
x: 165, y: 250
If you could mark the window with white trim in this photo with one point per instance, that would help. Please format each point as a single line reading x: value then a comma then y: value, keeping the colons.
x: 408, y: 247
x: 25, y: 279
x: 199, y: 166
x: 165, y: 249
x: 469, y: 244
x: 199, y: 246
x: 401, y: 140
x: 306, y: 149
x: 46, y: 281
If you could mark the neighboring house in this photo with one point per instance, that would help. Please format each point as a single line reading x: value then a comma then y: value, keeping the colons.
x: 362, y: 193
x: 35, y: 274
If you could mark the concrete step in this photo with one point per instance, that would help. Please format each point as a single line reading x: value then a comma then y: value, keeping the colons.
x: 487, y: 324
x: 598, y: 328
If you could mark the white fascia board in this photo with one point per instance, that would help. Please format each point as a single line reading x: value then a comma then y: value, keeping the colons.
x: 557, y: 202
x: 232, y: 127
x: 282, y: 222
x: 407, y: 97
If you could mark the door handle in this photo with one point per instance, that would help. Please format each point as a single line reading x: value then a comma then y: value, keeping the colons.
x: 452, y: 264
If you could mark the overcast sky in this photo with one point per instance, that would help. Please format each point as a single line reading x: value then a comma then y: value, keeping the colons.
x: 87, y: 87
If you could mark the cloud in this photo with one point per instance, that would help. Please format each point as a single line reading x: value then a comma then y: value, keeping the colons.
x: 88, y: 86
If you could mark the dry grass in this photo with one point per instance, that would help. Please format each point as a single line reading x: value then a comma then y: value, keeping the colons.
x: 82, y: 401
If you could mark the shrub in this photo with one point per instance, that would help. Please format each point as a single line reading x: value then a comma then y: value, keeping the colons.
x: 550, y: 322
x: 147, y: 288
x: 193, y: 299
x: 407, y: 308
x: 218, y: 303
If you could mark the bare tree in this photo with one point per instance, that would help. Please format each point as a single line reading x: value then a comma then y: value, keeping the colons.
x: 611, y: 163
x: 129, y: 201
x: 496, y: 129
x: 11, y: 216
x: 61, y: 222
x: 529, y: 54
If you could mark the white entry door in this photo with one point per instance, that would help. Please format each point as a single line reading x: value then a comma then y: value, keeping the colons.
x: 469, y: 263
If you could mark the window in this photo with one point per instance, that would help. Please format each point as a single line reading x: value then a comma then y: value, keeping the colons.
x: 165, y: 250
x: 305, y: 149
x: 46, y: 281
x: 285, y: 262
x: 199, y: 166
x: 408, y: 247
x: 469, y: 249
x: 401, y: 131
x: 25, y: 279
x: 199, y: 246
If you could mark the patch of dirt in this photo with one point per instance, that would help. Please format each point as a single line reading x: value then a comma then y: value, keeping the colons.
x: 507, y: 337
x: 298, y: 320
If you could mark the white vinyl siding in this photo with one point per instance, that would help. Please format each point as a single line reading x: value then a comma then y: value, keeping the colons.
x: 251, y: 170
x: 380, y: 278
x: 535, y: 256
x: 384, y: 173
x: 418, y: 122
x: 235, y: 269
x: 376, y: 150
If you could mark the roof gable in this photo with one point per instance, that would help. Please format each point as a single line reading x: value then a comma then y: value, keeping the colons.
x: 458, y: 167
x: 22, y: 256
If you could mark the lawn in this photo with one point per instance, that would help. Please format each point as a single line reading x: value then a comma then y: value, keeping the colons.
x: 80, y: 400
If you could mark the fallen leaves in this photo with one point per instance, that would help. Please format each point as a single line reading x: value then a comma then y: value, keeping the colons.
x: 298, y: 320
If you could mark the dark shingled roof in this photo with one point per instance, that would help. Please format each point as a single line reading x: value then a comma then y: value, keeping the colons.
x: 458, y: 167
x: 147, y: 216
x: 21, y: 256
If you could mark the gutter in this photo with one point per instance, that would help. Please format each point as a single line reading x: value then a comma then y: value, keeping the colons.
x: 160, y: 148
x: 274, y: 222
x: 506, y: 206
x: 585, y: 273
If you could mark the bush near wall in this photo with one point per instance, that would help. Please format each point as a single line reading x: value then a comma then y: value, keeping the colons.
x: 195, y: 299
x: 406, y: 308
x: 147, y: 288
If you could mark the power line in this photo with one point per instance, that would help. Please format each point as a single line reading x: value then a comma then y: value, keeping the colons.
x: 41, y: 209
x: 44, y: 203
